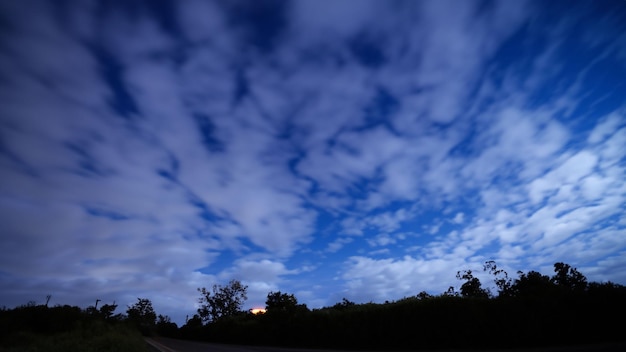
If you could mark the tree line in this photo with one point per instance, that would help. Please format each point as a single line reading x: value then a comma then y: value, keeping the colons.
x: 65, y: 328
x: 530, y: 310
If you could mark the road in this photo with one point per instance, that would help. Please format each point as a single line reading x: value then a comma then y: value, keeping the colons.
x: 161, y: 344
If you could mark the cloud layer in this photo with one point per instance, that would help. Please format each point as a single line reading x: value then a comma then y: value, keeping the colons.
x: 366, y: 150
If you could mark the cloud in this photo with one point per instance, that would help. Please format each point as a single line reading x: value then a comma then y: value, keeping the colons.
x: 338, y: 244
x: 458, y: 218
x: 378, y: 280
x: 550, y: 208
x: 176, y: 147
x: 84, y: 184
x: 343, y: 19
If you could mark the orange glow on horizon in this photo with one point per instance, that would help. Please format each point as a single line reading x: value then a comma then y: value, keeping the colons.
x: 256, y: 311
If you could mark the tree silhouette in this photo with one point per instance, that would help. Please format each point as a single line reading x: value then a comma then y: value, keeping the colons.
x: 568, y: 278
x: 165, y: 326
x: 107, y: 310
x: 450, y: 292
x: 423, y: 295
x: 345, y: 303
x: 280, y: 302
x: 222, y: 301
x: 472, y: 286
x: 501, y: 278
x: 142, y: 315
x: 532, y: 284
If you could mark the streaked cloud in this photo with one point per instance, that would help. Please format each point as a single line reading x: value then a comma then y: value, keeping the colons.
x: 366, y: 150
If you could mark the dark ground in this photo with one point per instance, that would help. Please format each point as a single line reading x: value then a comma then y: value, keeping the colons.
x: 173, y: 345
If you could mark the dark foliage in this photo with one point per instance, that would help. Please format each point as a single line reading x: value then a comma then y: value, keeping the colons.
x: 533, y: 310
x: 472, y: 286
x: 278, y: 302
x: 66, y: 328
x: 222, y: 302
x: 142, y: 316
x: 165, y: 327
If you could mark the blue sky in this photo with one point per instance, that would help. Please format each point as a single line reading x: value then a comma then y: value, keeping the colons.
x: 358, y: 149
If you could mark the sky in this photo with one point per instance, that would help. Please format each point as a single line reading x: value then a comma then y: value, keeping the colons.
x: 358, y: 149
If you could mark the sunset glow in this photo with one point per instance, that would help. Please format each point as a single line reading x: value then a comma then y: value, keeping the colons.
x: 256, y: 311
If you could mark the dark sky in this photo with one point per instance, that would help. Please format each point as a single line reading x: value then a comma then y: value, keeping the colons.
x: 358, y: 149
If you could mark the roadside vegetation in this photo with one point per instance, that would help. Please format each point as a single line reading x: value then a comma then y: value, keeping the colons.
x: 33, y: 328
x: 531, y: 310
x: 528, y: 311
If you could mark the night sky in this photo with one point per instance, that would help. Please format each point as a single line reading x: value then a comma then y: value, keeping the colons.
x: 329, y: 149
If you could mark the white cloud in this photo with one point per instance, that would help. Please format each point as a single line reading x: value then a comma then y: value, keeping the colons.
x: 261, y: 276
x: 381, y: 240
x: 606, y: 128
x: 388, y: 279
x: 458, y: 218
x: 594, y: 186
x: 337, y: 244
x: 574, y: 168
x: 200, y: 20
x: 343, y: 18
x: 264, y: 270
x: 518, y: 177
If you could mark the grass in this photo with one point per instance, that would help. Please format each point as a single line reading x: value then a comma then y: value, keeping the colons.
x: 91, y: 337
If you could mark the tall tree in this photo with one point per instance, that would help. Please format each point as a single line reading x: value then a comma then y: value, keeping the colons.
x: 472, y: 286
x: 142, y: 315
x: 222, y: 301
x: 107, y: 310
x: 500, y: 278
x: 569, y: 278
x: 280, y: 302
x: 532, y: 284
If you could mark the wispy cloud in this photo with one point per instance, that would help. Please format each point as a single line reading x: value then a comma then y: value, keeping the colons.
x: 364, y: 149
